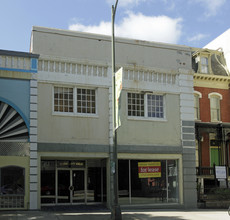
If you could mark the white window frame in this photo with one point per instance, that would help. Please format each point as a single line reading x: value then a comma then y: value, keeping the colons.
x: 210, y: 96
x: 197, y: 110
x: 146, y: 117
x: 75, y: 113
x: 204, y: 65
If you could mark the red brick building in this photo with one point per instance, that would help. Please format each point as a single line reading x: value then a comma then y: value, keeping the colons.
x: 212, y: 115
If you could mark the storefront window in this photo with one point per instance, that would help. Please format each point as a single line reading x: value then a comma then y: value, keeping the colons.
x: 96, y: 181
x: 173, y: 193
x: 123, y: 172
x: 147, y: 181
x: 48, y: 181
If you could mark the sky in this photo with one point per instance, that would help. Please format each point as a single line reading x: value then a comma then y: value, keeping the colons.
x: 185, y: 22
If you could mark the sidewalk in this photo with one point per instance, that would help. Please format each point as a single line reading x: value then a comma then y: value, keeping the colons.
x: 127, y: 215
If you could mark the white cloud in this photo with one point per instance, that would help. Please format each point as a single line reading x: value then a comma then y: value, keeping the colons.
x: 197, y: 37
x: 211, y: 6
x: 139, y: 26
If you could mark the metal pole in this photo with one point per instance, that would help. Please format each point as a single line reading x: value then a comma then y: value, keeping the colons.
x: 116, y: 211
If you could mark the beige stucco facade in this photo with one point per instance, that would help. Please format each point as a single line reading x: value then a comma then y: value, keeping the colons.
x: 72, y: 129
x: 81, y: 60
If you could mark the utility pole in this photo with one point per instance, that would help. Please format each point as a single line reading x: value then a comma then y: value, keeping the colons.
x: 116, y: 211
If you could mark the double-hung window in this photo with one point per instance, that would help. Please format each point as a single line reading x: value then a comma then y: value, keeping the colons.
x: 74, y: 100
x: 146, y: 105
x: 204, y: 65
x: 197, y: 96
x: 215, y: 106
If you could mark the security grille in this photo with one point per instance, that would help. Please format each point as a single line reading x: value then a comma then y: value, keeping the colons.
x: 11, y: 201
x: 14, y: 149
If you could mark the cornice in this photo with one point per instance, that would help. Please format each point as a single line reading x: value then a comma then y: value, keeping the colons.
x: 211, y: 81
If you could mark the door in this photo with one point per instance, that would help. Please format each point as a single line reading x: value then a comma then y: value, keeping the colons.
x: 214, y: 156
x: 78, y: 187
x: 63, y: 189
x: 71, y: 186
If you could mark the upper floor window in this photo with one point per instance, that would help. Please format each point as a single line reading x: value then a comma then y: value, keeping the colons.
x: 86, y: 101
x: 145, y: 105
x: 197, y: 96
x: 204, y: 65
x: 215, y: 106
x: 63, y: 99
x: 74, y: 100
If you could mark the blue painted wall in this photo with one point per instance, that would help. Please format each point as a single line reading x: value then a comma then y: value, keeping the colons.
x: 17, y: 94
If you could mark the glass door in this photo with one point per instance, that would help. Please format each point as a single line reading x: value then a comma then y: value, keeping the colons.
x: 63, y: 189
x: 71, y: 186
x: 78, y: 186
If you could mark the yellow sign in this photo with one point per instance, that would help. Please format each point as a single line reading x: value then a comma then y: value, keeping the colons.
x: 149, y: 169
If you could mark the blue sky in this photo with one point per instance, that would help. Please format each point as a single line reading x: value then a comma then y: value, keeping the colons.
x: 185, y: 22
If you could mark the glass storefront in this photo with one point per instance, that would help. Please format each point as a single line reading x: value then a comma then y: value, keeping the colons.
x: 73, y: 181
x: 148, y: 181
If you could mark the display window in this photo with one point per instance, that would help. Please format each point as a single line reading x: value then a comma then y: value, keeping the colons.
x: 148, y: 181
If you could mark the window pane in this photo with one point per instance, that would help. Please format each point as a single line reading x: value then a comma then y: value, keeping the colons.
x: 63, y: 99
x: 148, y: 182
x: 155, y: 106
x: 86, y: 101
x: 135, y: 104
x: 215, y: 108
x: 173, y: 191
x: 196, y: 107
x: 204, y: 64
x: 123, y: 185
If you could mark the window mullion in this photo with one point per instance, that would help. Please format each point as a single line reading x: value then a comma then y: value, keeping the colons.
x: 75, y: 100
x: 145, y: 106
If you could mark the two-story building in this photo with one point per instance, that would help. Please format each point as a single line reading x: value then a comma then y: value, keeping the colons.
x: 156, y: 143
x: 18, y: 130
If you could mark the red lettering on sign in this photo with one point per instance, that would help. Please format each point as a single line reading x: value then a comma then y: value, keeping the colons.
x: 149, y: 169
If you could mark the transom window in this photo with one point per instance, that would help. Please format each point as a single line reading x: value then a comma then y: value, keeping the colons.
x: 145, y: 105
x: 74, y: 100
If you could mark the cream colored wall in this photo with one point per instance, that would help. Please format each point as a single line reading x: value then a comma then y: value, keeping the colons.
x: 71, y: 129
x: 152, y: 132
x: 90, y: 47
x: 21, y: 162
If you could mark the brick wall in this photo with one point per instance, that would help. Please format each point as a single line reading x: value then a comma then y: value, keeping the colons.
x: 205, y: 103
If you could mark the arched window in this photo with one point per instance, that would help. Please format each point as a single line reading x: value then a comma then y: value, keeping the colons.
x: 215, y: 106
x: 197, y: 96
x: 12, y: 180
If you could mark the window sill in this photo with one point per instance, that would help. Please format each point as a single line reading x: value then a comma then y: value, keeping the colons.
x: 64, y: 114
x: 215, y: 121
x: 147, y: 119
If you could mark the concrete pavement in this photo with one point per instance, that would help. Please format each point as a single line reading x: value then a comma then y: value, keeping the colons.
x: 126, y: 215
